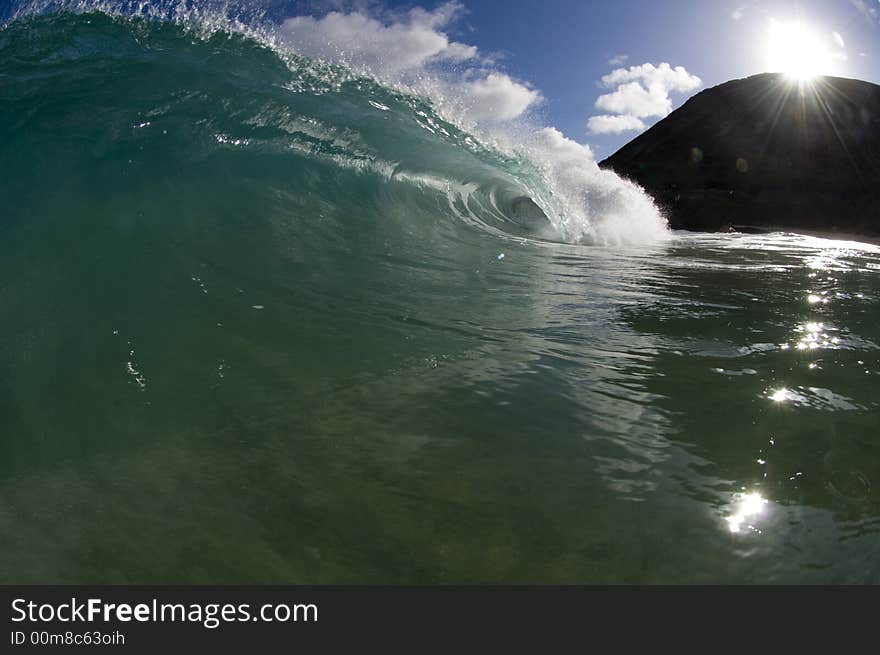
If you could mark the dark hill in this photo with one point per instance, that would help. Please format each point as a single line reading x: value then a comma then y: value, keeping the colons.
x: 765, y: 151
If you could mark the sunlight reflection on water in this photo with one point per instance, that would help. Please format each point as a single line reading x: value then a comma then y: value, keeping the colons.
x: 747, y: 508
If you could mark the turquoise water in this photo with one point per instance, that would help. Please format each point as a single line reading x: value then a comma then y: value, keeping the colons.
x: 260, y: 324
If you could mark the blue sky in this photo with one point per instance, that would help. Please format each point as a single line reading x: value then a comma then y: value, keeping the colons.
x: 562, y: 49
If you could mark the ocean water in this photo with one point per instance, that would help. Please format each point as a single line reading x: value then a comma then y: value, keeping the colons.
x: 264, y: 320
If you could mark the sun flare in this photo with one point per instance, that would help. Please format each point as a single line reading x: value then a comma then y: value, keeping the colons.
x: 795, y: 50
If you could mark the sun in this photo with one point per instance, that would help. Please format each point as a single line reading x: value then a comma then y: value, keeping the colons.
x: 795, y: 50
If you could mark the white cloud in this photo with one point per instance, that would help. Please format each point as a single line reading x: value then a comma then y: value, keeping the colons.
x: 499, y: 97
x: 737, y: 13
x: 618, y: 60
x: 662, y: 76
x: 838, y: 39
x: 641, y: 92
x: 563, y: 149
x: 635, y: 100
x: 412, y: 42
x: 607, y: 124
